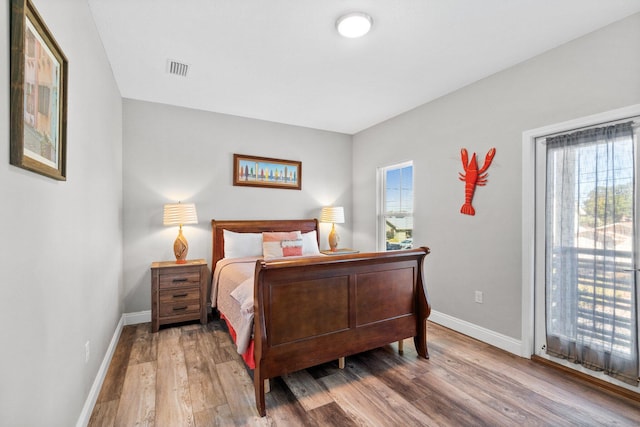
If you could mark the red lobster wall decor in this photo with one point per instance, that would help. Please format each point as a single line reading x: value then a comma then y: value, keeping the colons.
x: 472, y: 177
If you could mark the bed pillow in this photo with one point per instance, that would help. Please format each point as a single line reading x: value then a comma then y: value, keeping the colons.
x: 310, y: 243
x: 281, y: 244
x: 243, y: 293
x: 242, y: 245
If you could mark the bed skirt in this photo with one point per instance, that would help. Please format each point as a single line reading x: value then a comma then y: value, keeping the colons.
x: 248, y: 355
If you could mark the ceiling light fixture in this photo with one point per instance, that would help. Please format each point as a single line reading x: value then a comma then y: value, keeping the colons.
x: 355, y: 24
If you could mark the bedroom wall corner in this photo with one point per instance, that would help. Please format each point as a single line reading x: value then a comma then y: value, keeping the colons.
x: 178, y: 154
x: 61, y: 255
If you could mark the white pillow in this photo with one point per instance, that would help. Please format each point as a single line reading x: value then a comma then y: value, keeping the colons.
x: 242, y: 245
x: 310, y: 243
x: 243, y: 293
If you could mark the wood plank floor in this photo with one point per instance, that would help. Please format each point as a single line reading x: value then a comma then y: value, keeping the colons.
x: 190, y: 375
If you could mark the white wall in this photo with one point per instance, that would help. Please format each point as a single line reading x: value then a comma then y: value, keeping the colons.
x: 598, y: 72
x: 61, y: 251
x: 173, y: 153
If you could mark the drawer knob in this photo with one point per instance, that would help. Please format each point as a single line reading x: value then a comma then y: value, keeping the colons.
x: 180, y: 308
x: 180, y: 295
x: 183, y: 279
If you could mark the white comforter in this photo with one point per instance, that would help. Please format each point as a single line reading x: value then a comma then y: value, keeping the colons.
x: 232, y: 294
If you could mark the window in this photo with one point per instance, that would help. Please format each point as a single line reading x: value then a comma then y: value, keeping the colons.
x: 395, y: 219
x: 44, y: 99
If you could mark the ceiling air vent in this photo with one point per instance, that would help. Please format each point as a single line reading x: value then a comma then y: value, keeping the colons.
x: 177, y: 68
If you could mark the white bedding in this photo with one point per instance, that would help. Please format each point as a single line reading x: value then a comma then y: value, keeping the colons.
x: 232, y: 294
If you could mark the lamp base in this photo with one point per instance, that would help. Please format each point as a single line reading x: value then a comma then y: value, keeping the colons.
x: 180, y: 248
x: 333, y: 239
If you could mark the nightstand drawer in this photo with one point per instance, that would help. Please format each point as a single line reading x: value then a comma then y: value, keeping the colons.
x: 179, y: 278
x: 179, y: 295
x: 179, y: 308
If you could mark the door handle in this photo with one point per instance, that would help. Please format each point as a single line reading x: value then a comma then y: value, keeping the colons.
x: 631, y: 269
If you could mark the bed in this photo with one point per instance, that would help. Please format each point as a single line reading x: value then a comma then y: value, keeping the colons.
x: 308, y: 309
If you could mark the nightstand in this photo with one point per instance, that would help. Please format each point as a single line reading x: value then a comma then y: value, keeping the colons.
x: 340, y: 251
x: 178, y: 292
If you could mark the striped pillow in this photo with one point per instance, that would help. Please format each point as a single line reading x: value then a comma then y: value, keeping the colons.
x: 281, y: 244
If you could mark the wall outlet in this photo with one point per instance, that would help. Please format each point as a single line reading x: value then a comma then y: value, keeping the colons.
x: 87, y: 351
x: 479, y: 297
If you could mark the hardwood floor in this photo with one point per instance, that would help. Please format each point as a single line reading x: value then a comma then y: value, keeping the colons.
x: 191, y: 376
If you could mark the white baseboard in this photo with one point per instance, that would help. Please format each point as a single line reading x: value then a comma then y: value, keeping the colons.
x: 137, y: 317
x: 90, y: 402
x: 488, y: 336
x: 125, y: 319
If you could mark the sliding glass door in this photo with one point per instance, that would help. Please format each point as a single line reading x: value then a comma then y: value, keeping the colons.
x: 586, y: 300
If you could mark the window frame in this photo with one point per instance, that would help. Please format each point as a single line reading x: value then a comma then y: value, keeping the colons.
x: 382, y: 213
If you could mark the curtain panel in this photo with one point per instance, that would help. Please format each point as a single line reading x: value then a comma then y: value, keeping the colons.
x: 591, y: 316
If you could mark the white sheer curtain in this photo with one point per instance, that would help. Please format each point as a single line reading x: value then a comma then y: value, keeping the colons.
x: 591, y: 303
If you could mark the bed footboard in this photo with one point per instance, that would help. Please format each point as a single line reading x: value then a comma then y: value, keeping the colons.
x: 313, y: 310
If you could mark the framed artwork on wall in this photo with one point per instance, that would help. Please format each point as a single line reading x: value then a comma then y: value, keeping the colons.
x: 255, y: 171
x: 38, y: 95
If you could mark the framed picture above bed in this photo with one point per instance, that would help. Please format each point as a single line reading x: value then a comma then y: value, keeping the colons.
x: 38, y: 95
x: 252, y: 171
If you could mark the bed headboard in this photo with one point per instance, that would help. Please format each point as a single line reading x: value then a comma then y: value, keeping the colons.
x: 255, y: 226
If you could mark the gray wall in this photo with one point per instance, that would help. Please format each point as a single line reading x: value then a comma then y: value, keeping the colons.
x: 61, y: 251
x: 596, y: 73
x: 174, y: 153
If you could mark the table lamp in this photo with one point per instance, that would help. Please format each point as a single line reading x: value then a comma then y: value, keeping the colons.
x: 334, y: 215
x: 180, y: 214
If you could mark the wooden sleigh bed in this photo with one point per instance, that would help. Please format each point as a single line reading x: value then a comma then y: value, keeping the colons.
x: 311, y: 310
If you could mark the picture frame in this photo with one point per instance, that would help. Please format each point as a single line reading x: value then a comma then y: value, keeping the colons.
x: 39, y: 73
x: 253, y: 171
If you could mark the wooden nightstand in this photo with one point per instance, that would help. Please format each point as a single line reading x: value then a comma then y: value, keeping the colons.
x: 178, y: 292
x: 341, y: 251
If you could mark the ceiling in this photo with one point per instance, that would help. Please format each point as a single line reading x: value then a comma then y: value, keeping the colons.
x: 283, y: 61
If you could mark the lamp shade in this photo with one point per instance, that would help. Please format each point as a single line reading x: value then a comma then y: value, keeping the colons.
x: 333, y: 214
x: 180, y: 214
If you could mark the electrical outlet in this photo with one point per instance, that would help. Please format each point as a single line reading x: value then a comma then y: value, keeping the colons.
x: 87, y: 351
x: 479, y: 297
